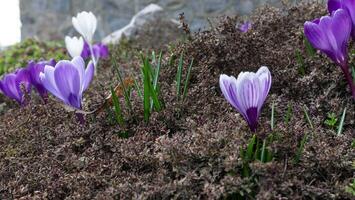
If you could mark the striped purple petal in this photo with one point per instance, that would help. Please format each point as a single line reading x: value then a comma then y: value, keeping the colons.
x: 247, y: 93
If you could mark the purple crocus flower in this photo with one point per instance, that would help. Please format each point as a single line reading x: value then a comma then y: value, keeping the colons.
x: 247, y: 93
x: 348, y: 5
x: 324, y: 34
x: 34, y: 70
x: 68, y: 80
x: 100, y: 51
x: 245, y: 27
x: 16, y: 85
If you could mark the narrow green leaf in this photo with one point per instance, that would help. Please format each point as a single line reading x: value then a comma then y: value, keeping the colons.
x: 155, y: 82
x: 118, y: 110
x: 288, y: 113
x: 300, y: 62
x: 301, y: 148
x: 146, y: 93
x: 250, y: 148
x: 307, y: 117
x: 126, y: 93
x: 340, y: 127
x: 138, y: 88
x: 178, y: 76
x: 263, y: 154
x: 187, y: 80
x: 272, y: 116
x: 310, y: 50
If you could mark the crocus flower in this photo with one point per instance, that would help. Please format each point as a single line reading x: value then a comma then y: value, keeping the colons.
x: 331, y: 34
x: 85, y: 23
x: 68, y: 80
x: 245, y: 27
x: 247, y: 93
x: 100, y: 51
x: 34, y: 70
x: 74, y: 45
x: 348, y: 5
x: 16, y: 85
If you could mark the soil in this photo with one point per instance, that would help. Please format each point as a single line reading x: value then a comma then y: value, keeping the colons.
x: 191, y: 149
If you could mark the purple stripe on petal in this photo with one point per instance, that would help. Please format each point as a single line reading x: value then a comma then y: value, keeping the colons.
x: 67, y: 79
x: 247, y: 93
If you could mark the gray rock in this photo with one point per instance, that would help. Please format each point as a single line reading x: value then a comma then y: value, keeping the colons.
x: 151, y: 24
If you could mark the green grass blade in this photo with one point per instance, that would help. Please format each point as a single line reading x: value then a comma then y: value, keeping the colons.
x: 340, y: 127
x: 300, y: 62
x: 146, y: 93
x: 157, y: 71
x: 263, y: 154
x: 300, y: 149
x: 250, y: 148
x: 117, y: 106
x: 178, y: 76
x: 187, y: 80
x: 139, y: 91
x: 155, y: 85
x: 288, y: 113
x: 309, y: 49
x: 307, y: 117
x: 126, y: 93
x: 272, y: 122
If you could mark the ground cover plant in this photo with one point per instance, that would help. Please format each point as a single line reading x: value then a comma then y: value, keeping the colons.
x: 161, y: 125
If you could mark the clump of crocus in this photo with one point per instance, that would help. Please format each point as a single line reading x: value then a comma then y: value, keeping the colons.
x: 16, y: 85
x: 245, y: 27
x: 100, y: 51
x: 85, y: 23
x: 347, y: 5
x: 68, y: 80
x: 331, y: 35
x: 247, y: 93
x: 74, y: 45
x: 34, y: 69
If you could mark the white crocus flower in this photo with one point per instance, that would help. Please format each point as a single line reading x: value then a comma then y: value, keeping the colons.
x: 85, y: 23
x: 74, y: 45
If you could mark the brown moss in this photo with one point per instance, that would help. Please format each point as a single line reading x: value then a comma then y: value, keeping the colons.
x: 191, y: 150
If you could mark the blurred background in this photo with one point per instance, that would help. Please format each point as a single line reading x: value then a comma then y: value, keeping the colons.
x: 51, y: 19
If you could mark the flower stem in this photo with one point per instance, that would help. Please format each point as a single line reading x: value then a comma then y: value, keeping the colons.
x: 349, y: 79
x: 92, y: 56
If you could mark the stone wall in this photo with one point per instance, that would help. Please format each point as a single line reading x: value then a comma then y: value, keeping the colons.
x: 51, y: 19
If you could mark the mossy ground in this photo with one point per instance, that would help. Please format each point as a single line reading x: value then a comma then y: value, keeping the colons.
x: 30, y: 49
x: 191, y: 149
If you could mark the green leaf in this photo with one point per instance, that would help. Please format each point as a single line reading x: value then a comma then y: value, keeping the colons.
x: 263, y: 152
x: 126, y: 92
x: 307, y: 117
x: 250, y: 148
x: 187, y: 80
x: 340, y: 127
x: 301, y: 63
x: 310, y: 50
x: 301, y: 148
x: 146, y: 92
x: 288, y: 113
x: 178, y: 76
x: 272, y: 122
x: 118, y: 110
